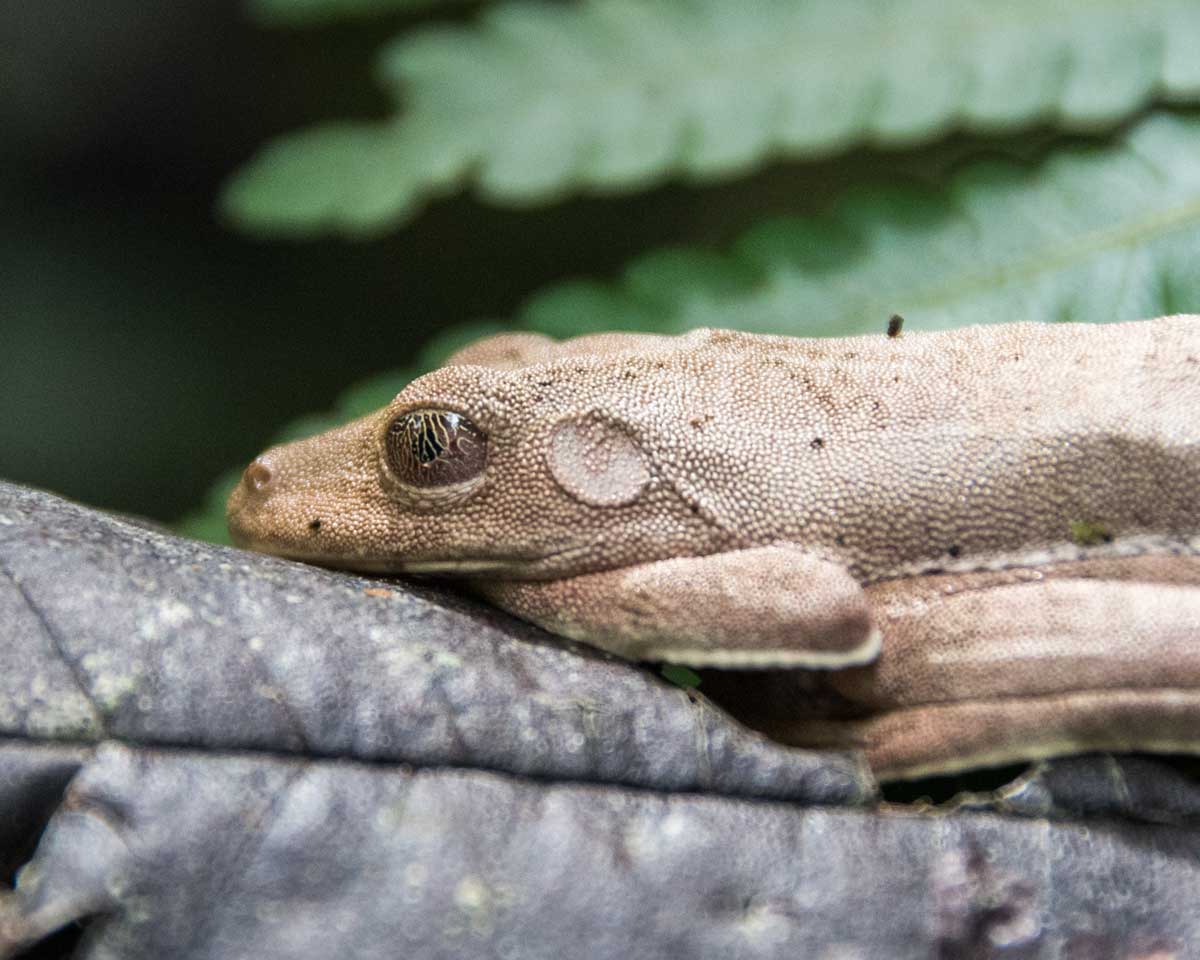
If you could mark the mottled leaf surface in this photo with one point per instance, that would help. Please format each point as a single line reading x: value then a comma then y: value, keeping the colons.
x: 189, y: 854
x: 233, y: 755
x: 1104, y: 785
x: 114, y: 631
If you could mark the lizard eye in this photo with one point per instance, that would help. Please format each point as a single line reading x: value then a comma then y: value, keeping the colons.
x: 435, y: 448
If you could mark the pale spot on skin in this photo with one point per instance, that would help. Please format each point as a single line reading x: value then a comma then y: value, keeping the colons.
x: 597, y: 462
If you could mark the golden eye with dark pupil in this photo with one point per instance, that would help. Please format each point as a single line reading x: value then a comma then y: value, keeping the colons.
x: 435, y: 448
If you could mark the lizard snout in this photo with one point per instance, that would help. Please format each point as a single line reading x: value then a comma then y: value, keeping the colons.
x: 314, y: 499
x: 250, y: 500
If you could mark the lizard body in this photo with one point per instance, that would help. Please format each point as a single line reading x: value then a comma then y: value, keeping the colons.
x: 726, y: 499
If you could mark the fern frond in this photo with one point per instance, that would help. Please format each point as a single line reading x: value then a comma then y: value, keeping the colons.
x: 537, y: 100
x: 1094, y: 233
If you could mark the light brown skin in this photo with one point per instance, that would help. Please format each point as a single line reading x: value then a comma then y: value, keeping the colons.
x: 733, y: 500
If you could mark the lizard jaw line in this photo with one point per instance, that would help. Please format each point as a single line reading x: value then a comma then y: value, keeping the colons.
x: 386, y: 566
x: 455, y: 566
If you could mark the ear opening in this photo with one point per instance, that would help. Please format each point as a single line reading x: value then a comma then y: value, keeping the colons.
x: 597, y: 460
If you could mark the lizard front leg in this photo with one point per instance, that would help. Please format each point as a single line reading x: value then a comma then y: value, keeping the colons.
x: 772, y: 606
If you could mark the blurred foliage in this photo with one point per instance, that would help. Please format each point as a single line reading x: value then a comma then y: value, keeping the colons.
x: 680, y: 675
x: 536, y: 100
x: 1094, y: 233
x: 533, y: 101
x: 307, y: 12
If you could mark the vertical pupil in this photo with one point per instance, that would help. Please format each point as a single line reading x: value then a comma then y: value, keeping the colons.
x: 426, y: 447
x: 432, y: 436
x: 435, y: 447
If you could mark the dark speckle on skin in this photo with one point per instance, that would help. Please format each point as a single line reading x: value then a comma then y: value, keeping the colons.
x: 954, y: 550
x: 817, y: 443
x: 314, y: 525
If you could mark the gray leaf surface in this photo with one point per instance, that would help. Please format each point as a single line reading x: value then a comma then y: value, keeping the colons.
x: 239, y: 756
x: 1104, y: 785
x: 115, y: 631
x: 193, y: 855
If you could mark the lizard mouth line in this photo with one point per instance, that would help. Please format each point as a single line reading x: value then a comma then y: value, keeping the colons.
x: 461, y: 566
x: 510, y: 564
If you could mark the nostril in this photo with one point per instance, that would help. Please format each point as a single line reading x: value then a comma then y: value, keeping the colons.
x: 256, y: 476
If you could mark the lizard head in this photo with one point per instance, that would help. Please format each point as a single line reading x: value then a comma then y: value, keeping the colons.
x: 541, y: 470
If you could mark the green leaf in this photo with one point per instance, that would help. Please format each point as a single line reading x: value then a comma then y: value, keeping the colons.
x: 439, y: 347
x: 356, y: 179
x: 306, y: 12
x: 1092, y: 233
x: 537, y: 100
x: 680, y: 675
x: 369, y: 395
x: 307, y: 426
x: 1089, y: 534
x: 207, y: 522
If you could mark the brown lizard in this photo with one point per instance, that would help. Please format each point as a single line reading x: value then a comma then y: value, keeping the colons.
x: 1012, y: 511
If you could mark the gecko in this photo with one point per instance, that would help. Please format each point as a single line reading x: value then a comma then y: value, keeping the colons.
x: 985, y: 540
